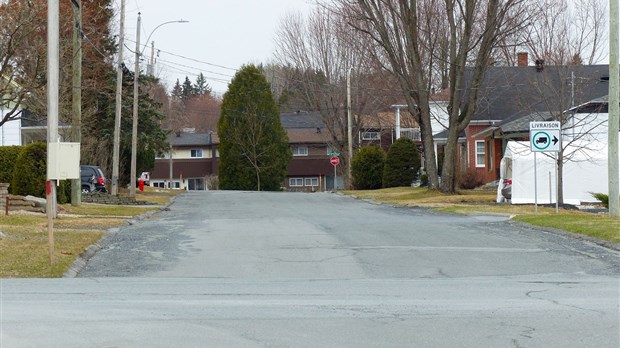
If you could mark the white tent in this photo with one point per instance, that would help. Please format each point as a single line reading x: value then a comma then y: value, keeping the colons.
x: 585, y: 172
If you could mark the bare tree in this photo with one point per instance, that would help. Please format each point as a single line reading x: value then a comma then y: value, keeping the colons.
x: 565, y: 33
x: 316, y: 54
x: 415, y: 38
x: 18, y: 75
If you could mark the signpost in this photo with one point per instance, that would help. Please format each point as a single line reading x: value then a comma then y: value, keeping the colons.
x: 545, y: 137
x: 335, y: 161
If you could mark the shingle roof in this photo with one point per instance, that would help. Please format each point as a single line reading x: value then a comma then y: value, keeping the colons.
x: 190, y: 139
x: 307, y: 136
x: 301, y: 119
x: 512, y: 92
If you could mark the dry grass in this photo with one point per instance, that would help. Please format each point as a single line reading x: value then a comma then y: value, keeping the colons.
x: 599, y: 226
x: 24, y: 248
x: 423, y: 197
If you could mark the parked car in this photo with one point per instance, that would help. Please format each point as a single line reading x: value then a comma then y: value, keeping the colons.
x: 504, y: 189
x: 93, y: 179
x: 507, y: 188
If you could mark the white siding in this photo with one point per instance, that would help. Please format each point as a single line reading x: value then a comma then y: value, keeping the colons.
x: 10, y: 132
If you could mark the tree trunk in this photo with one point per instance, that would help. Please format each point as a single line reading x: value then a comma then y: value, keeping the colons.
x: 560, y: 183
x: 449, y: 170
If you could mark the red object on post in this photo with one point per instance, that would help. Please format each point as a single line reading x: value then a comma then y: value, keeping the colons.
x: 334, y: 160
x: 141, y: 184
x: 48, y: 187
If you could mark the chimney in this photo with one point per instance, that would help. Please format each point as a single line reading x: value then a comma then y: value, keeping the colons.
x: 522, y: 59
x: 540, y: 65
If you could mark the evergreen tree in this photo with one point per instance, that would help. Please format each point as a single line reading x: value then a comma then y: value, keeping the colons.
x: 367, y: 168
x: 202, y: 87
x: 177, y: 90
x: 254, y: 151
x: 187, y: 88
x: 402, y: 164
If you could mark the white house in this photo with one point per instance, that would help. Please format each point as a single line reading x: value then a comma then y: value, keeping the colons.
x: 10, y: 132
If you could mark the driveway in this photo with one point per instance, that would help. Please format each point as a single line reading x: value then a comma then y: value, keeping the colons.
x: 249, y: 269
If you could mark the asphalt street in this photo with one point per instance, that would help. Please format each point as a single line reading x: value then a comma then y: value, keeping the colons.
x: 250, y: 269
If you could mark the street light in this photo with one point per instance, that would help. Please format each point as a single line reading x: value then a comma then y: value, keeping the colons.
x: 134, y: 129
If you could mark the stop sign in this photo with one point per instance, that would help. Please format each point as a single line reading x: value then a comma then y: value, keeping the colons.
x: 334, y: 160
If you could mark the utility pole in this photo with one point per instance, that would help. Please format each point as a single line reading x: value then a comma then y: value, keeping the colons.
x: 614, y: 109
x: 53, y: 83
x: 76, y: 124
x: 349, y: 131
x: 119, y: 92
x: 134, y: 128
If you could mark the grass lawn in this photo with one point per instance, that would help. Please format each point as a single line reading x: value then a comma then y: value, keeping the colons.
x: 599, y: 226
x: 24, y: 246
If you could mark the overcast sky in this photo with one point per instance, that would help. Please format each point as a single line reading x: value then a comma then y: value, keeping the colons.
x: 221, y: 35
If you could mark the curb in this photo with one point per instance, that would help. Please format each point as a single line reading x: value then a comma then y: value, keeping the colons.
x: 92, y: 250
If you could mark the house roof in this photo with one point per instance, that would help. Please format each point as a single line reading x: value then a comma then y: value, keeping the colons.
x: 517, y: 125
x: 518, y: 91
x: 308, y: 136
x: 189, y: 139
x: 301, y: 119
x: 387, y: 119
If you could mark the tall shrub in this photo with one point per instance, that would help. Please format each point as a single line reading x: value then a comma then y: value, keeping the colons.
x: 30, y: 171
x: 254, y: 150
x: 367, y: 168
x: 401, y: 164
x: 8, y: 157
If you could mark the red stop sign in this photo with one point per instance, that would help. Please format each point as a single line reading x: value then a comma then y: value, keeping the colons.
x: 334, y: 160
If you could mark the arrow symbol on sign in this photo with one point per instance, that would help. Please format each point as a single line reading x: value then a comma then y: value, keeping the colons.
x: 555, y: 140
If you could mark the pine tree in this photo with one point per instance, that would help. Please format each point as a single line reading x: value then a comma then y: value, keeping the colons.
x: 254, y: 151
x: 202, y: 87
x: 177, y: 90
x: 187, y: 88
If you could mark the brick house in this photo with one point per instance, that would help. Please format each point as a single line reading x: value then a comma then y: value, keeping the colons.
x: 192, y: 161
x: 511, y: 98
x: 309, y: 170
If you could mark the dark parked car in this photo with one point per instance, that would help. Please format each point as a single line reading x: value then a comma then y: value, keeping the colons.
x: 93, y: 179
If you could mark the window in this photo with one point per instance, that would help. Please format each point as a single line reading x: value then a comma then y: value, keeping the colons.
x: 489, y: 155
x: 371, y: 136
x: 196, y: 153
x: 300, y: 151
x: 411, y: 133
x: 480, y: 153
x: 296, y: 182
x: 311, y: 181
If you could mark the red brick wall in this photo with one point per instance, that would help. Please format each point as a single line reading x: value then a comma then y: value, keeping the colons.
x: 493, y: 154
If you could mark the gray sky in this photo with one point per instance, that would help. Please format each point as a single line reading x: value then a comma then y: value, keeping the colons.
x: 221, y: 35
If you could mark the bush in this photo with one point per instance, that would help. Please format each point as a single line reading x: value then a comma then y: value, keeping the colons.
x: 423, y: 180
x: 601, y: 197
x: 401, y: 164
x: 470, y: 180
x: 30, y: 171
x: 367, y: 168
x: 8, y: 157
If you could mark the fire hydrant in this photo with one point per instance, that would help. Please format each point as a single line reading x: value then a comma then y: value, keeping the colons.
x: 141, y: 184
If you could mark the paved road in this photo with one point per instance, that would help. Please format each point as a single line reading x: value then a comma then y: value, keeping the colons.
x: 239, y: 269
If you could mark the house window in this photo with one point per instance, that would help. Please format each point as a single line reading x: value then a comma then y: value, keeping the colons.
x: 300, y: 151
x: 480, y: 153
x: 196, y: 153
x: 371, y: 136
x: 311, y: 181
x: 296, y: 182
x: 411, y: 133
x: 489, y: 157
